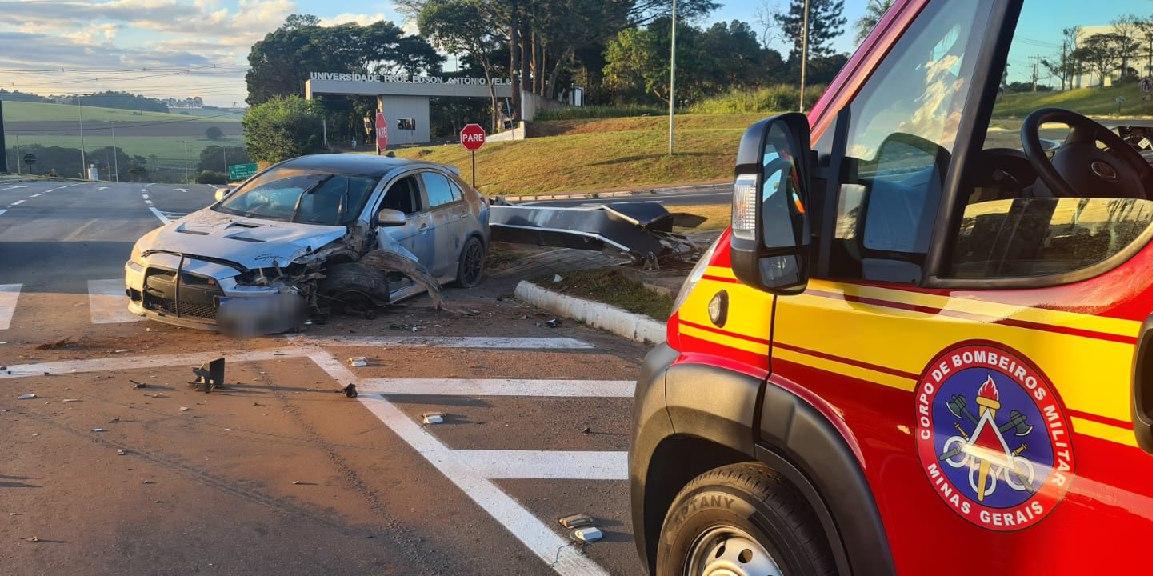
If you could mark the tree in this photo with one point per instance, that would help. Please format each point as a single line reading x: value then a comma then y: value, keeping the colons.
x: 1102, y: 54
x: 1127, y: 32
x: 214, y: 133
x: 825, y: 24
x: 282, y: 127
x: 874, y: 11
x: 279, y: 64
x: 218, y: 158
x: 464, y: 27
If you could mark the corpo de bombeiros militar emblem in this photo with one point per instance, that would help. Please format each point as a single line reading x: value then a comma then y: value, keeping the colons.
x: 992, y: 436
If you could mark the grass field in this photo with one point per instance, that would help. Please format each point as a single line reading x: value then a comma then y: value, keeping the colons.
x: 174, y: 149
x: 1094, y: 101
x: 44, y: 112
x: 605, y: 154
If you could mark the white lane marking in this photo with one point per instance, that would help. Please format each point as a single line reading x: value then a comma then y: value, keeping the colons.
x: 159, y: 215
x: 145, y: 196
x: 180, y: 189
x: 14, y: 186
x: 446, y: 342
x: 17, y: 203
x: 134, y: 362
x: 102, y: 188
x: 34, y: 195
x: 9, y: 294
x: 554, y: 464
x: 2, y: 212
x: 500, y: 387
x: 530, y: 530
x: 107, y: 303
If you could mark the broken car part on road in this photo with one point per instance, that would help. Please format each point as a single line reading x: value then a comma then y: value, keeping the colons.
x: 643, y: 230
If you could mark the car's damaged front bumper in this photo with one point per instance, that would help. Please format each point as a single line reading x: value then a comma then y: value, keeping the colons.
x: 193, y: 292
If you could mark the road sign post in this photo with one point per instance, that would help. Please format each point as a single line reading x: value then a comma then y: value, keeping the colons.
x: 472, y: 137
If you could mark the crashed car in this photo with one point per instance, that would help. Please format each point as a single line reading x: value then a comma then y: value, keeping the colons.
x: 308, y: 236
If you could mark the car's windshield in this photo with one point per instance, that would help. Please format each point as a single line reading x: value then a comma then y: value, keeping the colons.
x: 309, y: 197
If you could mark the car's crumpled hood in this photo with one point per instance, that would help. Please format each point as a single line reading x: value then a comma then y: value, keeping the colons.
x: 249, y: 242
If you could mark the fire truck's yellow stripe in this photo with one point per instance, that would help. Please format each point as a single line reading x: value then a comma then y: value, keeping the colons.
x: 1104, y: 431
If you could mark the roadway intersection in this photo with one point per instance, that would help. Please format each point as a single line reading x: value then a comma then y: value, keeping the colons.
x: 277, y: 473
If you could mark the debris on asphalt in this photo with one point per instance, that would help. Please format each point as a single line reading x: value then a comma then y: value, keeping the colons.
x: 66, y: 400
x: 119, y: 351
x: 553, y: 323
x: 587, y: 430
x: 209, y: 376
x: 32, y: 539
x: 28, y: 396
x: 349, y: 391
x: 358, y: 362
x: 184, y: 408
x: 120, y: 452
x: 588, y: 534
x: 432, y: 417
x: 148, y: 482
x: 99, y: 430
x: 137, y: 385
x: 574, y: 521
x: 114, y: 420
x: 557, y: 278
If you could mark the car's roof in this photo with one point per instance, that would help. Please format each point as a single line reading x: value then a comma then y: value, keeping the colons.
x: 355, y: 164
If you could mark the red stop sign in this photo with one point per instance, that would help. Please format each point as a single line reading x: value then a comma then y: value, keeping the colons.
x: 381, y: 132
x: 472, y: 136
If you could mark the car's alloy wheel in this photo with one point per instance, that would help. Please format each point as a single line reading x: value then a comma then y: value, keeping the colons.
x: 471, y: 263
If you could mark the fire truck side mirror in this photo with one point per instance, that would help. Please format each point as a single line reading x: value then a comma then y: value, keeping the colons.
x: 770, y: 223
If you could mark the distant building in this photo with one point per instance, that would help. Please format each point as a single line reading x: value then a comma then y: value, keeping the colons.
x: 193, y: 103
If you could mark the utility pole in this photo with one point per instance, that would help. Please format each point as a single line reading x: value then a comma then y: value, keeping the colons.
x: 672, y: 78
x: 224, y: 151
x: 83, y: 158
x: 18, y: 157
x: 1035, y: 59
x: 115, y: 155
x: 804, y: 53
x: 3, y: 148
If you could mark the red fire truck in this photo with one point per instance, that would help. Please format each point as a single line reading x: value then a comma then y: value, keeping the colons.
x: 922, y: 347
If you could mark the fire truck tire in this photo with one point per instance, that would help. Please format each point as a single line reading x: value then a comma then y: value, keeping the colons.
x: 733, y: 504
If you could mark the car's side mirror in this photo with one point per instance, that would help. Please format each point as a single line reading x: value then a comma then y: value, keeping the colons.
x: 387, y: 217
x: 222, y: 193
x: 770, y: 224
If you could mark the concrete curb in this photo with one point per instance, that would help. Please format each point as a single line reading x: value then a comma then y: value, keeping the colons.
x: 636, y: 327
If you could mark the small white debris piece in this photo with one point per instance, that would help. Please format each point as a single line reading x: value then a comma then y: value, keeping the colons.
x: 28, y: 396
x: 433, y: 417
x: 120, y: 452
x: 98, y: 430
x: 556, y: 278
x: 588, y: 534
x: 358, y: 362
x: 184, y: 408
x: 119, y: 351
x: 70, y: 400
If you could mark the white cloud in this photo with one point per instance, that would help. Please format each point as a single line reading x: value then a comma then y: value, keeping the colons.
x: 347, y: 17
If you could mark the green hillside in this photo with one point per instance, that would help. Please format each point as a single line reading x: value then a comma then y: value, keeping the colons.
x: 1096, y: 101
x: 44, y: 112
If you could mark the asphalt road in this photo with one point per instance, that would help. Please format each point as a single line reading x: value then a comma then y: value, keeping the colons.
x: 276, y: 473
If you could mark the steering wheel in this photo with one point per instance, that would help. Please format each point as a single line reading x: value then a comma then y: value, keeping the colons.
x: 1079, y: 169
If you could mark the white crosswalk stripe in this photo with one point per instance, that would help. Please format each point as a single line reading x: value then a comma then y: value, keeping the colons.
x: 107, y: 303
x: 9, y: 294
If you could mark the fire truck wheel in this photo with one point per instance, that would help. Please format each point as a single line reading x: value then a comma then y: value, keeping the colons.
x: 742, y: 519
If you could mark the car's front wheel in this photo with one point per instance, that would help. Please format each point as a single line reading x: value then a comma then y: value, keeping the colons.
x: 471, y: 265
x: 741, y: 519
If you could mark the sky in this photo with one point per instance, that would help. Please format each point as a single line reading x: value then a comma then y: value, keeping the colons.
x: 185, y: 48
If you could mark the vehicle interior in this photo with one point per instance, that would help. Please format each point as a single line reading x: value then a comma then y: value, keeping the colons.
x: 1060, y: 182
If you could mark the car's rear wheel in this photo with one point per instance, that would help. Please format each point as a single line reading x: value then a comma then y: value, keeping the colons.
x: 745, y: 520
x: 471, y: 266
